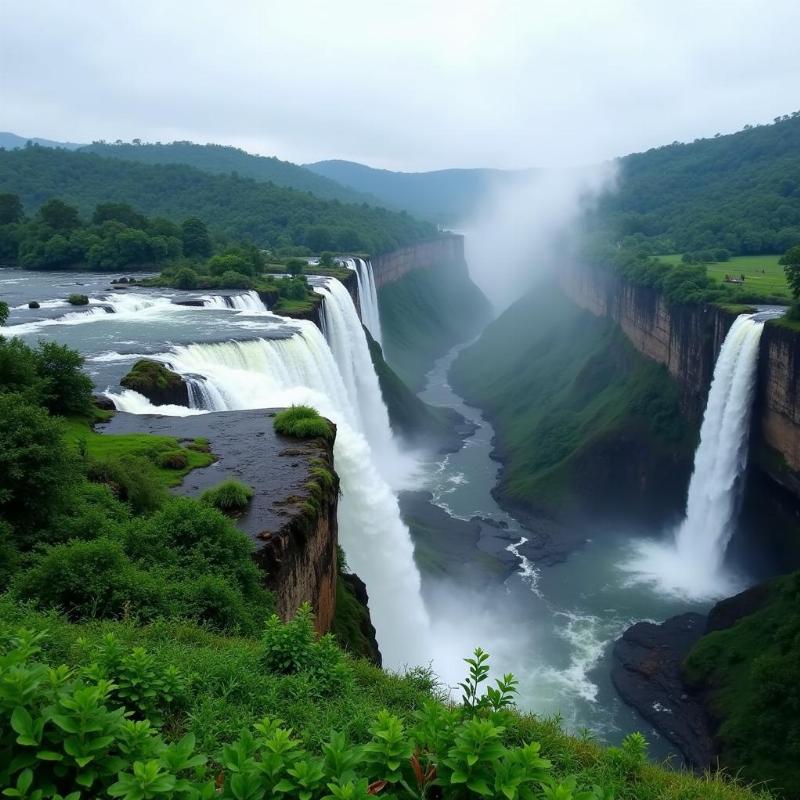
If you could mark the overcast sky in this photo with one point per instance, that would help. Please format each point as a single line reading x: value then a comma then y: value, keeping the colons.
x: 408, y: 85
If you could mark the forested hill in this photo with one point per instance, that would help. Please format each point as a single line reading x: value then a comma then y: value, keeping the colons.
x: 233, y: 206
x: 740, y: 192
x: 445, y: 196
x: 220, y: 159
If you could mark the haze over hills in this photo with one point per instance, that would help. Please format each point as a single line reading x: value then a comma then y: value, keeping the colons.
x: 11, y: 141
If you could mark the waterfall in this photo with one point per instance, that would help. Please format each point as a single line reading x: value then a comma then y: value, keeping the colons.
x: 301, y: 369
x: 249, y: 301
x: 692, y: 564
x: 367, y: 296
x: 343, y: 332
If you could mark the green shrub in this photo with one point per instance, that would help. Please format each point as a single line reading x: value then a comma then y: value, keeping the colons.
x: 78, y: 300
x: 185, y: 278
x: 172, y: 459
x: 200, y: 445
x: 230, y: 495
x: 302, y: 422
x: 235, y: 280
x: 3, y: 312
x: 67, y: 389
x: 83, y: 579
x: 132, y: 479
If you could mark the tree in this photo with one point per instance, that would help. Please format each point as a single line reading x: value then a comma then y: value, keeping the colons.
x: 119, y: 212
x: 295, y: 266
x: 59, y: 216
x: 790, y: 262
x: 326, y: 259
x: 196, y: 241
x: 67, y: 389
x: 319, y: 238
x: 11, y: 210
x: 3, y: 312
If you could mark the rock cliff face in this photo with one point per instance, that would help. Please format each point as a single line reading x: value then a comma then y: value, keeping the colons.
x: 687, y: 339
x: 446, y: 249
x: 295, y: 544
x: 779, y: 402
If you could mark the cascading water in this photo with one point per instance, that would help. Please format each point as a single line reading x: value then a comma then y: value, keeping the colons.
x: 249, y: 301
x: 301, y: 369
x: 367, y: 296
x: 693, y: 564
x: 342, y: 330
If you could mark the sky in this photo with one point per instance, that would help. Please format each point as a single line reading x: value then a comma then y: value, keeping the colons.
x: 408, y: 85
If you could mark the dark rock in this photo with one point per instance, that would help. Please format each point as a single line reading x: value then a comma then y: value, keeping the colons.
x: 647, y: 674
x: 726, y: 613
x: 158, y: 384
x: 33, y: 304
x: 103, y: 403
x: 359, y: 590
x: 194, y: 303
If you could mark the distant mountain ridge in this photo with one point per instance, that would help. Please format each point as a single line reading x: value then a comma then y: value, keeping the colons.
x: 223, y: 160
x: 11, y: 141
x: 445, y: 196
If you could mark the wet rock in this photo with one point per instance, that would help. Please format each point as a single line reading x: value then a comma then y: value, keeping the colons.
x: 103, y: 403
x: 359, y: 590
x: 647, y: 674
x: 158, y: 384
x: 33, y: 304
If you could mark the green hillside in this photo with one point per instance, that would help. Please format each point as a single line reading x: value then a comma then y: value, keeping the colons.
x: 233, y: 206
x: 224, y: 160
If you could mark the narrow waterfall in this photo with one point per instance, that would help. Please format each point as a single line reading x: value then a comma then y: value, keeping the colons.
x: 367, y: 296
x: 693, y: 564
x: 301, y: 369
x: 343, y: 332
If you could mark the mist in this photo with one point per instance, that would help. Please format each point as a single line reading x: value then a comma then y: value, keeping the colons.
x: 526, y: 225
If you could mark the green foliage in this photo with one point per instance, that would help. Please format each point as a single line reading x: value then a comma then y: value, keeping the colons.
x: 35, y: 466
x: 147, y: 376
x: 78, y: 300
x: 752, y: 674
x: 66, y: 389
x: 236, y: 207
x: 791, y: 266
x: 295, y: 266
x: 196, y: 241
x: 302, y: 422
x: 424, y: 314
x: 230, y: 495
x: 3, y: 312
x: 132, y: 479
x: 173, y: 459
x: 185, y: 278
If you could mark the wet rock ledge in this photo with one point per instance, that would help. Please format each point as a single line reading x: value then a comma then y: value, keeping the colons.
x: 295, y: 545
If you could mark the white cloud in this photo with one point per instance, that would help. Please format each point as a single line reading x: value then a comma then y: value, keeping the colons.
x: 409, y: 85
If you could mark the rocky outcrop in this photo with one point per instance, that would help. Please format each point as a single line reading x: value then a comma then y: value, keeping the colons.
x: 293, y: 527
x: 443, y: 250
x: 369, y: 643
x: 160, y: 385
x: 647, y: 674
x: 685, y: 338
x: 779, y: 404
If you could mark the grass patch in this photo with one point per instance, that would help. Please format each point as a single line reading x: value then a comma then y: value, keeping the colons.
x: 303, y: 422
x: 103, y: 446
x: 286, y: 305
x: 230, y: 495
x: 763, y: 274
x: 736, y: 308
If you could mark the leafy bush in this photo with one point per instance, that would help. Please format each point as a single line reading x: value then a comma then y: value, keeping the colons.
x: 172, y: 459
x: 185, y: 278
x: 302, y: 422
x: 78, y: 300
x: 66, y: 390
x: 3, y: 312
x: 235, y: 280
x: 230, y: 495
x: 132, y: 479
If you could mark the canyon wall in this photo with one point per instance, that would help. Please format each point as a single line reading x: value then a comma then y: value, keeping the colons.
x: 687, y: 339
x: 445, y: 249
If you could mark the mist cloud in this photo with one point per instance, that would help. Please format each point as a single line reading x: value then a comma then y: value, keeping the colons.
x: 524, y: 227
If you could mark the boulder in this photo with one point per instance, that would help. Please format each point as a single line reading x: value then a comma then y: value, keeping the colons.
x: 161, y: 386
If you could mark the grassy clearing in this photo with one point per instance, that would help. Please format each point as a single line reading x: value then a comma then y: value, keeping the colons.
x: 102, y: 446
x: 763, y: 274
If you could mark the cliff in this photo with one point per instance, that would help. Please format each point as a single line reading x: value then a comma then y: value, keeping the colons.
x: 442, y: 251
x: 685, y: 338
x: 296, y: 549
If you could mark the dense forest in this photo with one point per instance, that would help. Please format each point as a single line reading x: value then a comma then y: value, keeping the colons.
x: 740, y: 192
x: 224, y: 160
x: 239, y: 208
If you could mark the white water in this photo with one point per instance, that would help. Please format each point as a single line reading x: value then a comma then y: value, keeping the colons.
x: 692, y: 565
x: 302, y: 370
x: 367, y: 296
x: 249, y: 301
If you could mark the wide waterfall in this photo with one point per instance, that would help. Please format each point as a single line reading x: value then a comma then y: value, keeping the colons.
x: 693, y: 564
x: 367, y: 296
x: 302, y: 369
